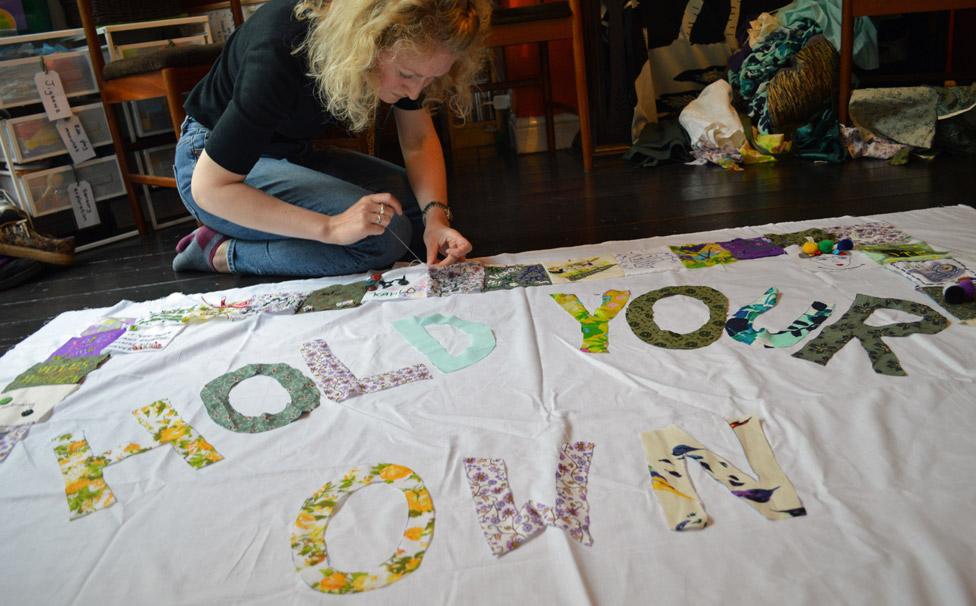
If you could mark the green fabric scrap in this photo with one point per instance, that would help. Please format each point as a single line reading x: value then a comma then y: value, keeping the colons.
x: 337, y: 296
x: 640, y: 317
x: 302, y: 390
x: 852, y: 326
x: 914, y: 251
x: 965, y: 312
x: 798, y: 237
x: 58, y: 371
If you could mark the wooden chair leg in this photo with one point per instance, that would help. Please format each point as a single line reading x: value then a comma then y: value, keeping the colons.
x: 547, y: 97
x: 582, y: 93
x: 120, y: 154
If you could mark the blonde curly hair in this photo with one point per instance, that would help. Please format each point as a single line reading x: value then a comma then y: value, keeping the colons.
x: 345, y: 38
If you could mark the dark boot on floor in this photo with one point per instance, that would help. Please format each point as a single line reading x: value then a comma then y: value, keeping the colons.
x: 14, y: 272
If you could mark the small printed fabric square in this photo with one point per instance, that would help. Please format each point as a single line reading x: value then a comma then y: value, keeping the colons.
x: 9, y: 439
x: 88, y: 345
x: 29, y: 405
x: 277, y: 302
x: 107, y: 324
x: 873, y: 233
x: 402, y: 283
x: 589, y: 268
x: 337, y: 296
x: 696, y: 256
x: 57, y: 371
x: 751, y: 248
x: 914, y: 251
x: 797, y: 238
x: 638, y: 262
x: 964, y: 312
x: 149, y: 337
x: 457, y: 279
x: 937, y: 272
x: 505, y: 277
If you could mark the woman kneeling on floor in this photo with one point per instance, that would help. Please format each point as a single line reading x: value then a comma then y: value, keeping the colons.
x: 271, y: 205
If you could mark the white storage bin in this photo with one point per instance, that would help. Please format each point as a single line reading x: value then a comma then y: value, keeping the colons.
x: 17, y: 77
x: 158, y: 161
x: 34, y: 137
x: 150, y: 117
x: 47, y: 190
x: 529, y: 134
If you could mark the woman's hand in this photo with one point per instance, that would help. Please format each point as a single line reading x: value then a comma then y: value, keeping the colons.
x: 369, y: 216
x: 442, y: 239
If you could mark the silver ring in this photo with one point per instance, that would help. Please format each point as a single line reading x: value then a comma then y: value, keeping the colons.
x: 382, y: 208
x: 379, y: 219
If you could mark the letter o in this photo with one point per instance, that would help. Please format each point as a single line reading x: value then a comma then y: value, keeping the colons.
x: 640, y: 317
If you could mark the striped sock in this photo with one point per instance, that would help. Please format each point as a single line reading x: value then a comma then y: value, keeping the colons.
x: 195, y: 251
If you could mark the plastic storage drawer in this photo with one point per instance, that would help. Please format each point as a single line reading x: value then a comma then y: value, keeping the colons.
x: 47, y: 190
x: 34, y: 137
x: 17, y: 77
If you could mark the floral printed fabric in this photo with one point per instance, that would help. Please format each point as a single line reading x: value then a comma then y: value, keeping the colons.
x: 798, y: 237
x: 309, y: 551
x: 304, y: 397
x: 861, y: 143
x: 504, y: 527
x: 740, y: 325
x: 667, y: 451
x: 751, y: 248
x: 413, y: 329
x: 457, y: 279
x: 337, y: 296
x: 595, y: 327
x: 57, y: 371
x: 873, y: 233
x: 10, y: 438
x: 84, y: 486
x: 638, y: 262
x: 852, y: 326
x: 640, y: 317
x: 337, y: 381
x: 696, y: 256
x: 504, y: 277
x: 964, y: 312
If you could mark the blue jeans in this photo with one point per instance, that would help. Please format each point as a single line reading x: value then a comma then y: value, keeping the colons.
x: 326, y: 182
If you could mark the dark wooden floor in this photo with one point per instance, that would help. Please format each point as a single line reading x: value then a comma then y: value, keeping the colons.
x: 535, y: 202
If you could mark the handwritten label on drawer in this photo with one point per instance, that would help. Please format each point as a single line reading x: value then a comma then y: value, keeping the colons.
x: 52, y: 95
x: 83, y: 204
x: 75, y: 139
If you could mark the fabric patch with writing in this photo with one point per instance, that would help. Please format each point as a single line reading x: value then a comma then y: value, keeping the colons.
x: 401, y: 283
x: 337, y: 296
x: 84, y: 484
x: 876, y: 232
x: 708, y: 254
x: 751, y: 248
x: 58, y: 371
x: 302, y: 393
x: 338, y: 383
x: 668, y: 450
x: 965, y: 312
x: 10, y: 438
x: 277, y: 302
x: 29, y: 405
x: 504, y: 277
x: 638, y: 262
x: 915, y: 251
x: 589, y: 268
x: 506, y: 528
x: 595, y: 326
x: 311, y: 555
x: 87, y: 345
x: 146, y: 337
x: 640, y: 317
x: 797, y: 238
x: 414, y: 330
x: 852, y: 326
x: 937, y: 272
x: 456, y: 279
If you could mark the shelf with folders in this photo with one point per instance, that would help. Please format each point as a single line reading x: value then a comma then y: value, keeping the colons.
x: 43, y: 162
x: 483, y: 127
